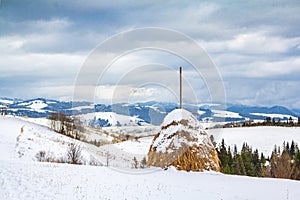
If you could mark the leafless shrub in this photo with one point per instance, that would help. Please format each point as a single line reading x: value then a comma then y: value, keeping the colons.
x: 74, y: 154
x: 41, y: 156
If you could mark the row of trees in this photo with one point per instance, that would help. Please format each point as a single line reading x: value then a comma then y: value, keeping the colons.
x: 66, y: 125
x: 281, y: 164
x: 285, y: 163
x: 247, y: 162
x: 274, y: 122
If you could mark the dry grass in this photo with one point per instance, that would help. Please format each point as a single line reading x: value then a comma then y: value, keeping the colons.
x: 188, y: 158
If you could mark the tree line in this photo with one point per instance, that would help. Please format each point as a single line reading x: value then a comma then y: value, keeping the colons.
x: 268, y: 121
x: 66, y: 125
x: 283, y: 163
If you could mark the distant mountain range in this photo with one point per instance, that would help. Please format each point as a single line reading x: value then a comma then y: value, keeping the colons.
x: 146, y: 113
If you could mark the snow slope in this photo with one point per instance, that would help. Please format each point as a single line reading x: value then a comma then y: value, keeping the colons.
x: 21, y: 177
x: 53, y: 181
x: 110, y: 119
x: 23, y: 140
x: 224, y: 113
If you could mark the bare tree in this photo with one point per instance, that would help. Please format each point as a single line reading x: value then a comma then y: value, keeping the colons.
x: 143, y: 163
x: 74, y: 154
x: 107, y: 158
x: 135, y: 163
x: 281, y: 165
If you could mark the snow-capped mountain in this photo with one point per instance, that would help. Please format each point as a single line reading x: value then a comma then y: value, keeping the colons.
x: 148, y: 112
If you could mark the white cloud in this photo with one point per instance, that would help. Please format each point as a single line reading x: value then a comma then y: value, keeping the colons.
x: 260, y: 43
x: 280, y: 69
x: 49, y: 48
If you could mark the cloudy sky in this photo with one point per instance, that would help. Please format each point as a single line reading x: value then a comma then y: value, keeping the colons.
x: 255, y: 46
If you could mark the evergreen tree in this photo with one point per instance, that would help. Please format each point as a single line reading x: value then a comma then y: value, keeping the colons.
x: 256, y: 162
x: 223, y: 157
x: 227, y: 169
x: 241, y: 165
x: 246, y: 154
x: 230, y: 159
x: 292, y: 150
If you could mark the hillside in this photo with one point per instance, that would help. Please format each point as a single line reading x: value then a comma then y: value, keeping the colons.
x: 22, y: 177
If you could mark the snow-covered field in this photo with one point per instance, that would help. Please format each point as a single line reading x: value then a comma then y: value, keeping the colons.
x: 53, y: 181
x: 22, y: 177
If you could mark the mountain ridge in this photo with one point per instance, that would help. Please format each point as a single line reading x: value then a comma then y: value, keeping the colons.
x: 151, y: 112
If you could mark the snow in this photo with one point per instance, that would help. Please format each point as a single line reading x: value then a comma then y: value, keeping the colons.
x: 79, y: 108
x: 193, y: 127
x: 261, y: 138
x: 113, y: 119
x: 60, y: 181
x: 223, y: 113
x: 281, y: 116
x: 5, y: 101
x: 37, y: 105
x: 41, y: 121
x: 22, y: 177
x: 201, y: 112
x: 139, y: 147
x: 177, y: 115
x: 156, y: 109
x: 28, y: 139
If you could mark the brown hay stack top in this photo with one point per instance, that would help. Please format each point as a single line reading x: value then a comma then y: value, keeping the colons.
x: 182, y: 143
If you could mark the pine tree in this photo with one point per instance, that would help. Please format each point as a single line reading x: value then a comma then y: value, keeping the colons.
x: 223, y: 156
x: 246, y: 154
x: 241, y: 165
x: 227, y: 169
x: 230, y: 159
x: 235, y: 162
x: 292, y: 150
x: 256, y: 162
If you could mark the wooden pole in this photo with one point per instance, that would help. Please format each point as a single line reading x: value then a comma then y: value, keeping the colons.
x: 180, y: 69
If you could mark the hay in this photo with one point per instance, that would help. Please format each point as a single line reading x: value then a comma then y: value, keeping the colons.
x: 184, y: 151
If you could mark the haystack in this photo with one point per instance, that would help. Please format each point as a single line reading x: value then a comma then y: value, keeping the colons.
x: 182, y: 143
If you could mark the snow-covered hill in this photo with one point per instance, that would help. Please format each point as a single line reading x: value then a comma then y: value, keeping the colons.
x: 24, y: 140
x: 107, y: 119
x: 22, y: 177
